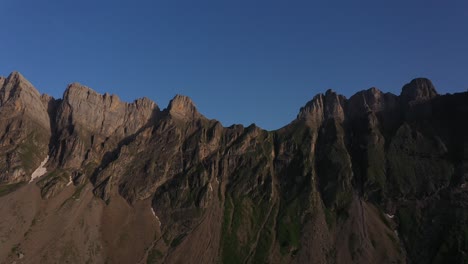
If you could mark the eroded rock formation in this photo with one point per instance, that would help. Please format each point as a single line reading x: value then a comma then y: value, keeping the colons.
x: 376, y: 178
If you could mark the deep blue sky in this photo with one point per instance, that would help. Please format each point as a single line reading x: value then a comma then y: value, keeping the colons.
x: 240, y: 61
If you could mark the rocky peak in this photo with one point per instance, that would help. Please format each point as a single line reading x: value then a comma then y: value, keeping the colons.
x: 24, y: 130
x: 76, y: 91
x: 171, y: 184
x: 21, y: 97
x: 96, y: 118
x: 17, y: 77
x: 144, y: 102
x: 182, y: 107
x: 107, y: 111
x: 14, y: 85
x: 334, y: 104
x: 372, y: 100
x: 418, y: 90
x: 322, y: 107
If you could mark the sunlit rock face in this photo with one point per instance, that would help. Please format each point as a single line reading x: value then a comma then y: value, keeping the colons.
x: 376, y: 178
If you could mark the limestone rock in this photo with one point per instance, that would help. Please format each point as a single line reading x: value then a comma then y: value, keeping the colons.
x: 182, y: 108
x: 86, y: 121
x: 24, y: 129
x: 129, y: 183
x: 418, y: 90
x: 323, y: 107
x: 372, y: 100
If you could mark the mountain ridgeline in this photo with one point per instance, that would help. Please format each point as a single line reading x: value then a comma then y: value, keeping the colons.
x: 376, y: 178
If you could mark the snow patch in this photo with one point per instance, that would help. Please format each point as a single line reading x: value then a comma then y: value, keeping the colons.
x: 70, y: 181
x: 157, y: 218
x: 390, y: 216
x: 41, y: 170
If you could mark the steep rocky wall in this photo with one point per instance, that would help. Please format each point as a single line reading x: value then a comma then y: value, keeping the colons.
x: 24, y: 129
x: 376, y: 178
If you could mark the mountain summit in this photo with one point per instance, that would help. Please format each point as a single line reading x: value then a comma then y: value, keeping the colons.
x: 376, y: 178
x: 418, y: 90
x: 182, y: 107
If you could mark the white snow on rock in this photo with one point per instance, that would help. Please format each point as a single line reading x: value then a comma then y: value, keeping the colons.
x: 70, y: 181
x: 41, y: 170
x: 157, y: 218
x: 390, y: 216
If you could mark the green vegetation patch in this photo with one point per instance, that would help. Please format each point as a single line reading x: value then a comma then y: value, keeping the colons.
x: 55, y: 175
x: 289, y: 227
x: 76, y: 195
x: 31, y: 152
x: 242, y: 222
x: 155, y: 256
x: 330, y: 217
x: 178, y: 240
x: 353, y: 245
x: 9, y: 188
x: 53, y: 182
x: 265, y: 241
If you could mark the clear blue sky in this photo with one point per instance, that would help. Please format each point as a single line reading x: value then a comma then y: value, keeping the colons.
x: 240, y: 61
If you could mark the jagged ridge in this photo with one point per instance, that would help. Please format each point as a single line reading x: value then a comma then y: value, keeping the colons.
x: 316, y: 190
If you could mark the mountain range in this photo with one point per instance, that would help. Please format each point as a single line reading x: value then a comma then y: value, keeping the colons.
x: 374, y: 178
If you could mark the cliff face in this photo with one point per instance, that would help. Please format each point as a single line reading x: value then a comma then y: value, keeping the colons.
x: 24, y: 129
x: 88, y: 124
x: 376, y: 178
